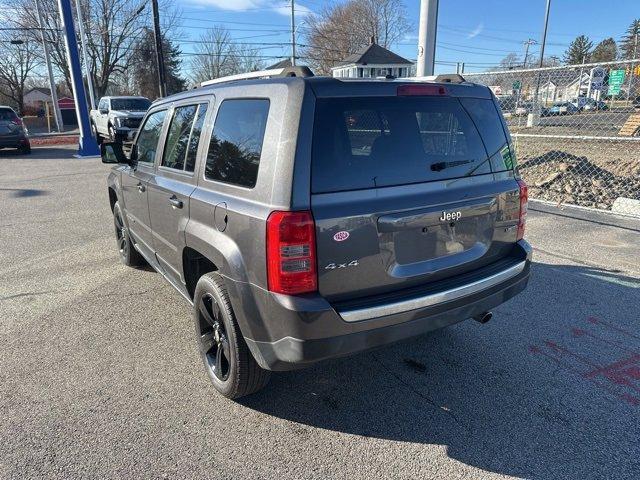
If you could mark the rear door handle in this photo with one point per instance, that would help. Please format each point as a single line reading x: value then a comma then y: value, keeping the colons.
x: 141, y: 187
x: 174, y: 202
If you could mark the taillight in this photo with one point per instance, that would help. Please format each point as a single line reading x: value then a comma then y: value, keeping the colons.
x: 291, y: 253
x: 524, y: 199
x: 421, y: 89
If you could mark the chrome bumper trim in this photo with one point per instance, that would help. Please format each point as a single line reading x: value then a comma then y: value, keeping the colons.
x: 359, y: 314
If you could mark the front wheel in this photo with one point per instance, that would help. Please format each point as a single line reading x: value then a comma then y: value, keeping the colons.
x: 128, y: 253
x: 226, y: 357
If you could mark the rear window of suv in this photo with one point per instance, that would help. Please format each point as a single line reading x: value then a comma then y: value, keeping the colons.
x: 369, y: 142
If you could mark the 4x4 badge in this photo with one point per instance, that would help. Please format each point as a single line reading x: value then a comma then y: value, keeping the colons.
x: 333, y: 266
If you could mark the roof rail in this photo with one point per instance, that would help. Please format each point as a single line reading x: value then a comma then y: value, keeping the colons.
x: 275, y: 72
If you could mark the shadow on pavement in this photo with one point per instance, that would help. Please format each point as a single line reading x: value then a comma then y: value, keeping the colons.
x: 42, y: 153
x: 549, y: 388
x: 24, y: 192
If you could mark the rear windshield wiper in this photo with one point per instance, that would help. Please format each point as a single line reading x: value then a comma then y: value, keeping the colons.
x: 439, y: 166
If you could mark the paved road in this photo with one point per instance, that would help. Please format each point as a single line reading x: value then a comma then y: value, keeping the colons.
x: 99, y: 376
x: 601, y: 123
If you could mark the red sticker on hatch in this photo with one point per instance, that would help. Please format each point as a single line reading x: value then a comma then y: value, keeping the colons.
x: 341, y: 236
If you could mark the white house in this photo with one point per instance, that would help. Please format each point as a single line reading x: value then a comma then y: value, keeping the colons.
x: 373, y: 61
x: 36, y: 97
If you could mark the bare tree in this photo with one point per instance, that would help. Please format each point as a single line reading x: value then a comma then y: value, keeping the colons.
x: 17, y: 63
x: 112, y: 29
x: 341, y: 29
x: 218, y: 55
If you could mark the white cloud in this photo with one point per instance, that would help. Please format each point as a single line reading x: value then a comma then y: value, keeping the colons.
x: 476, y: 31
x: 244, y: 5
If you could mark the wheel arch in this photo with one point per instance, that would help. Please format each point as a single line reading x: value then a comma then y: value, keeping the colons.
x: 194, y: 265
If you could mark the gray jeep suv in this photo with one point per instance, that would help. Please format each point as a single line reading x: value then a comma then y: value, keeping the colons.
x: 306, y: 218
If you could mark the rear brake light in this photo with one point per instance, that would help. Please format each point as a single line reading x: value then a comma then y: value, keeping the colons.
x: 291, y: 253
x: 421, y: 89
x: 524, y: 199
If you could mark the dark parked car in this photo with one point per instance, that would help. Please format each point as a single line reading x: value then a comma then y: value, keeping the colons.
x: 12, y: 131
x: 307, y: 218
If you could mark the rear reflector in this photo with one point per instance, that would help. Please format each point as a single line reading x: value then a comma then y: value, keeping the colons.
x: 421, y: 89
x: 524, y: 200
x: 291, y: 253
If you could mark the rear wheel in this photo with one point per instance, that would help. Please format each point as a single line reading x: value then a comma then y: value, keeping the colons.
x: 128, y: 253
x: 226, y: 357
x: 24, y: 150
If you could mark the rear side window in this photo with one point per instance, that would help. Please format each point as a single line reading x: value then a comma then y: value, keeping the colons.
x: 7, y: 114
x: 236, y: 142
x: 184, y: 136
x: 370, y: 142
x: 147, y: 143
x: 175, y: 150
x: 196, y: 133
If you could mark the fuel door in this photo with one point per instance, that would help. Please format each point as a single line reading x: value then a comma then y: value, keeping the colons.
x: 220, y: 217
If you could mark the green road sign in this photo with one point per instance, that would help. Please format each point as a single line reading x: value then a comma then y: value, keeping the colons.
x: 616, y: 79
x: 516, y: 85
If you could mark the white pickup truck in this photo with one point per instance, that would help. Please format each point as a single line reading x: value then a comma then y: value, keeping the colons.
x: 121, y: 115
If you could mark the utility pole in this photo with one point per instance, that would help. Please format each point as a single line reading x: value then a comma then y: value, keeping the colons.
x: 293, y: 34
x: 527, y: 44
x: 633, y: 66
x: 87, y: 146
x: 427, y: 37
x: 52, y: 83
x: 87, y: 67
x: 544, y: 42
x: 159, y: 51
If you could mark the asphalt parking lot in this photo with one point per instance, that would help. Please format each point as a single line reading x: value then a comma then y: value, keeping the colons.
x: 100, y: 378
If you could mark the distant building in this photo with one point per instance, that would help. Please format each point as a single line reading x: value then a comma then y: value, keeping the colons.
x: 286, y: 63
x: 373, y: 61
x: 36, y: 97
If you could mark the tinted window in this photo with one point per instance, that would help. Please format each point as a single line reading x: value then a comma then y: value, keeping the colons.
x: 236, y: 142
x: 7, y: 114
x: 134, y: 104
x: 175, y: 150
x: 196, y: 132
x: 383, y: 141
x: 484, y: 115
x: 149, y: 135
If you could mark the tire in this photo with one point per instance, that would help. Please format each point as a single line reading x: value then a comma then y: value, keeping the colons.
x: 25, y: 150
x: 226, y: 357
x: 94, y: 130
x: 112, y: 134
x: 128, y: 254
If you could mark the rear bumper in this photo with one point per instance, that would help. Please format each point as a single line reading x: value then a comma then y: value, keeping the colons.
x: 14, y: 141
x: 286, y: 333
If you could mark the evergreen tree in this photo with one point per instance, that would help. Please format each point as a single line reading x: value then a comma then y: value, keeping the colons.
x: 145, y: 70
x: 578, y: 51
x: 605, y: 51
x: 630, y: 43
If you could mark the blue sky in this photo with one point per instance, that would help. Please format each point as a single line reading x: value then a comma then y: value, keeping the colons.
x: 477, y: 32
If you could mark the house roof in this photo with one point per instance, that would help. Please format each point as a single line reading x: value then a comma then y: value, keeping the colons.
x: 376, y: 55
x: 43, y: 90
x: 281, y: 64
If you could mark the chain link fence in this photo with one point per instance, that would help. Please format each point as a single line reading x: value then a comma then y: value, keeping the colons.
x: 576, y: 130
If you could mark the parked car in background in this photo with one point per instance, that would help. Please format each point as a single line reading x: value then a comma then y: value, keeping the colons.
x: 562, y: 108
x: 307, y: 218
x: 118, y: 117
x: 13, y: 133
x: 592, y: 105
x: 636, y: 103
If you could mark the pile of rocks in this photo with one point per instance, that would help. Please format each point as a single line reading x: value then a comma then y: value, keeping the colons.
x: 577, y: 181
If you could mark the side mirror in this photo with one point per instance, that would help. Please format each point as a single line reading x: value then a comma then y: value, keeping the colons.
x: 112, y: 152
